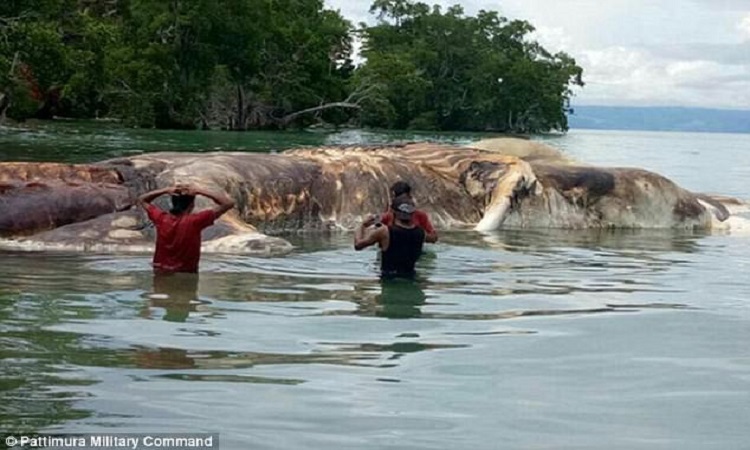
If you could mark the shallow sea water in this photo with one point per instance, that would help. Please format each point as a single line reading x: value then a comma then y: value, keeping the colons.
x: 536, y: 339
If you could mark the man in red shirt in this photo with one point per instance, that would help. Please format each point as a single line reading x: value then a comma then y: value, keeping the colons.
x: 419, y: 217
x: 178, y: 232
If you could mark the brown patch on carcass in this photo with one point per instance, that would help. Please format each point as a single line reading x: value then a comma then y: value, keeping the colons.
x: 356, y: 180
x: 687, y: 208
x: 139, y: 178
x: 270, y: 191
x: 29, y: 171
x: 719, y: 204
x: 637, y: 194
x: 581, y: 186
x: 639, y: 186
x: 29, y: 207
x: 482, y: 177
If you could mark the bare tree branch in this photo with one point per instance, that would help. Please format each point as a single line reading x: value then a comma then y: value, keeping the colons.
x: 127, y: 86
x: 11, y: 20
x: 13, y: 64
x: 353, y: 101
x: 286, y: 120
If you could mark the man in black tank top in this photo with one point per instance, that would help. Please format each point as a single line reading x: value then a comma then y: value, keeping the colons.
x: 400, y: 243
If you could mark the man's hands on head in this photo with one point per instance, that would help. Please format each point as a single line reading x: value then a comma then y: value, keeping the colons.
x: 183, y: 189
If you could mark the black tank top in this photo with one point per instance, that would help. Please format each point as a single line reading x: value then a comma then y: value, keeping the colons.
x: 404, y: 250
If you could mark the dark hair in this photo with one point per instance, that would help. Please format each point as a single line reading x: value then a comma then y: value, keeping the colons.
x: 181, y: 203
x: 400, y: 188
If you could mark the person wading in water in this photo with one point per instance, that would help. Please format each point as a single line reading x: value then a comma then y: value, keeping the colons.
x: 400, y: 243
x: 420, y: 218
x: 178, y: 232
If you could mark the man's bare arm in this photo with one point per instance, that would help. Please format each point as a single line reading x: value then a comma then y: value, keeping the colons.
x: 364, y: 238
x: 149, y: 197
x: 224, y: 203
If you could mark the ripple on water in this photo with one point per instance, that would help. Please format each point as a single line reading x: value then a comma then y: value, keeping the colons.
x: 587, y: 335
x: 108, y: 344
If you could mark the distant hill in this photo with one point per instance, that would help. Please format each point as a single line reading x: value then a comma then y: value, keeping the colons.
x: 660, y: 119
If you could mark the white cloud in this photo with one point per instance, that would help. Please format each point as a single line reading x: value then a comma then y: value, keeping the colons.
x: 744, y: 27
x: 553, y: 39
x: 637, y: 77
x: 635, y: 52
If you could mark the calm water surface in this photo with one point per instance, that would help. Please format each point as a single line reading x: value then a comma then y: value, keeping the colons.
x: 518, y: 340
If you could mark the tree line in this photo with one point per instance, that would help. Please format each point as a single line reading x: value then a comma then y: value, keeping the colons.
x: 274, y: 64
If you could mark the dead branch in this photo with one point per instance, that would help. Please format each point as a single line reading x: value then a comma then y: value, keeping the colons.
x: 353, y: 101
x: 13, y: 64
x: 286, y: 120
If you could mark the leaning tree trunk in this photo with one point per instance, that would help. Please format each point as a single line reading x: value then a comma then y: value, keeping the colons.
x: 289, y: 118
x: 5, y: 95
x: 353, y: 101
x: 240, y: 122
x: 4, y: 105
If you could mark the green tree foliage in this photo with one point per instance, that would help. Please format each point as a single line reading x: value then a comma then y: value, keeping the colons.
x: 233, y: 64
x: 244, y: 64
x: 173, y: 63
x: 446, y: 71
x: 52, y: 50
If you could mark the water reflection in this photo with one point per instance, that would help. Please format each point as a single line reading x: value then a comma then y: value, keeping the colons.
x: 400, y: 298
x: 620, y: 240
x: 175, y: 358
x: 87, y: 141
x: 291, y: 322
x: 644, y: 329
x: 176, y: 294
x: 37, y: 389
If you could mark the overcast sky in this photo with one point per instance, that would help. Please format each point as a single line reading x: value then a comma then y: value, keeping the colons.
x: 635, y: 52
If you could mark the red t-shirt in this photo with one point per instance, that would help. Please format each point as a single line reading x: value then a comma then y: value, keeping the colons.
x: 420, y: 219
x: 178, y: 238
